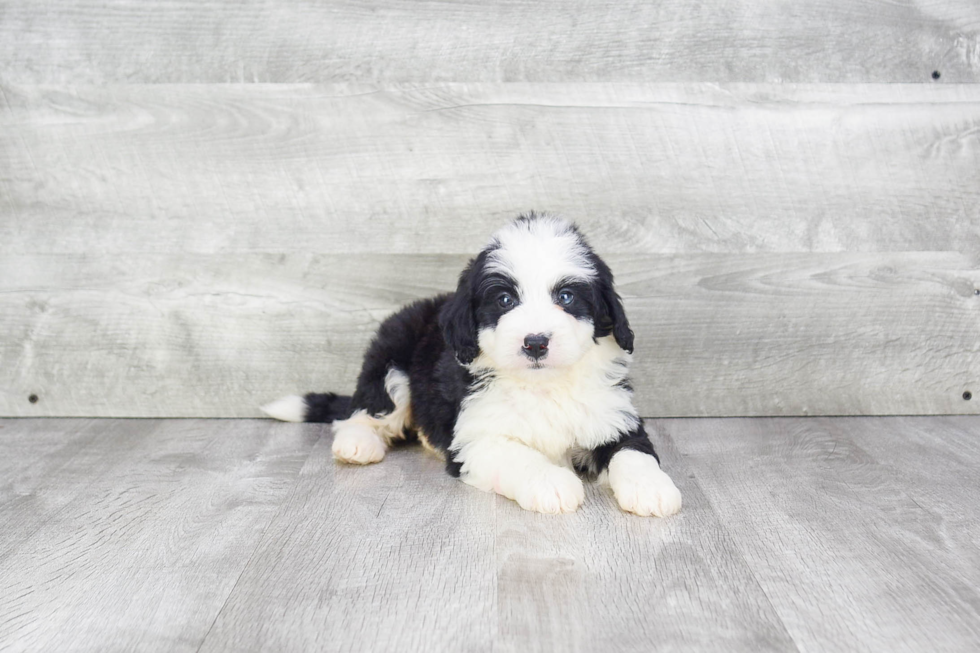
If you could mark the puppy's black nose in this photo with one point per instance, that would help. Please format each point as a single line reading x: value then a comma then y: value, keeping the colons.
x: 536, y: 345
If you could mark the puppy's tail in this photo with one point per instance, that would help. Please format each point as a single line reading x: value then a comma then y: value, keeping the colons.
x: 314, y: 407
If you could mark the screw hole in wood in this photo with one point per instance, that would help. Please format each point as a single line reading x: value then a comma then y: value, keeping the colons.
x: 32, y: 399
x: 967, y: 395
x: 936, y: 74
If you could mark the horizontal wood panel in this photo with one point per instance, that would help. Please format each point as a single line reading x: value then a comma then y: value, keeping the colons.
x: 435, y: 169
x: 503, y: 40
x: 754, y: 334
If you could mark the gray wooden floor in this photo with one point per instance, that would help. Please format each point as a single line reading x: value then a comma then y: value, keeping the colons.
x: 797, y: 533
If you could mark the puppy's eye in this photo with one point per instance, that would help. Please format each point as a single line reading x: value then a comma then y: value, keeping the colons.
x: 565, y: 298
x: 505, y: 300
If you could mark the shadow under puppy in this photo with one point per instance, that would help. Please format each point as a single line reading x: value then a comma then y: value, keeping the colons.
x: 515, y: 380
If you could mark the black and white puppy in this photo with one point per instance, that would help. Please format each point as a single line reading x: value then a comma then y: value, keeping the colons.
x: 518, y: 380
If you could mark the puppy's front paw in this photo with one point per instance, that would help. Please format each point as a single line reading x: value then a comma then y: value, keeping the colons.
x: 358, y: 445
x: 551, y: 490
x: 641, y: 487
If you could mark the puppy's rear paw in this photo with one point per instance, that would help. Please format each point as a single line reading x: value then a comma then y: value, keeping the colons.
x: 358, y: 444
x: 641, y: 487
x: 551, y: 490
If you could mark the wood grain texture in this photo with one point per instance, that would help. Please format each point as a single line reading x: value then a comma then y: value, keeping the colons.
x: 132, y: 535
x: 401, y: 556
x: 234, y: 535
x: 747, y: 334
x: 858, y: 549
x: 818, y: 334
x: 397, y: 556
x: 604, y: 580
x: 504, y: 40
x: 655, y: 168
x: 40, y: 471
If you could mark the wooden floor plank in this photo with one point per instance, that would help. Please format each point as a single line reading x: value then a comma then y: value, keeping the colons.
x: 603, y: 580
x: 936, y: 461
x: 844, y: 540
x: 395, y: 556
x: 32, y: 451
x: 145, y: 554
x: 45, y: 464
x: 808, y: 534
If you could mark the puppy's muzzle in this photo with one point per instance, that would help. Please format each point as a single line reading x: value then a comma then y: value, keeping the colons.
x: 536, y: 346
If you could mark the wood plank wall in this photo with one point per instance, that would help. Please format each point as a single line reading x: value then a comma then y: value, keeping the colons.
x: 206, y: 205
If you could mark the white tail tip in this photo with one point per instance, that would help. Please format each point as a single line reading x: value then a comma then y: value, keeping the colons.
x: 287, y: 409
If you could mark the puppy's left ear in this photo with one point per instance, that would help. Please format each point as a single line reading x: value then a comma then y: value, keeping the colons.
x: 457, y: 319
x: 612, y: 315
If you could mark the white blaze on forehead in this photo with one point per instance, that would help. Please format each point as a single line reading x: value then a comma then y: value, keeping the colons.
x: 537, y: 253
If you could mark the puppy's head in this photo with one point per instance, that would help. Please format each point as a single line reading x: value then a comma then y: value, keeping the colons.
x: 537, y: 297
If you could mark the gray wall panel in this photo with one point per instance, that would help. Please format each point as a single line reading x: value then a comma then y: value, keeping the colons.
x: 717, y: 334
x: 194, y: 248
x: 81, y: 41
x: 437, y: 168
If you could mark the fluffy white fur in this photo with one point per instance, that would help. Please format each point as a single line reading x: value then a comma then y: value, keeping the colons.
x: 539, y: 252
x: 554, y: 411
x: 497, y: 463
x: 517, y: 435
x: 641, y: 487
x: 356, y: 440
x: 291, y: 408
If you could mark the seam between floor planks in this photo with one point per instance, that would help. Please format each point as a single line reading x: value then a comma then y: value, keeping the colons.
x: 259, y: 539
x: 184, y: 480
x: 661, y: 436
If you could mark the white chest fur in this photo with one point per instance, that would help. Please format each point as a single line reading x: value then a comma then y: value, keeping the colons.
x: 554, y: 411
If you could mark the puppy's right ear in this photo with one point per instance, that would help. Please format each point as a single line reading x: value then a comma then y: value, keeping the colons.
x: 457, y: 318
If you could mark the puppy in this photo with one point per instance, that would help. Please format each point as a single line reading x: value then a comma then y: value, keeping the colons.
x: 518, y: 380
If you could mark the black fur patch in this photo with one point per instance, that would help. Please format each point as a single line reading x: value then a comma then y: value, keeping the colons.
x: 412, y: 341
x: 592, y: 463
x: 584, y: 300
x: 326, y: 407
x: 490, y: 289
